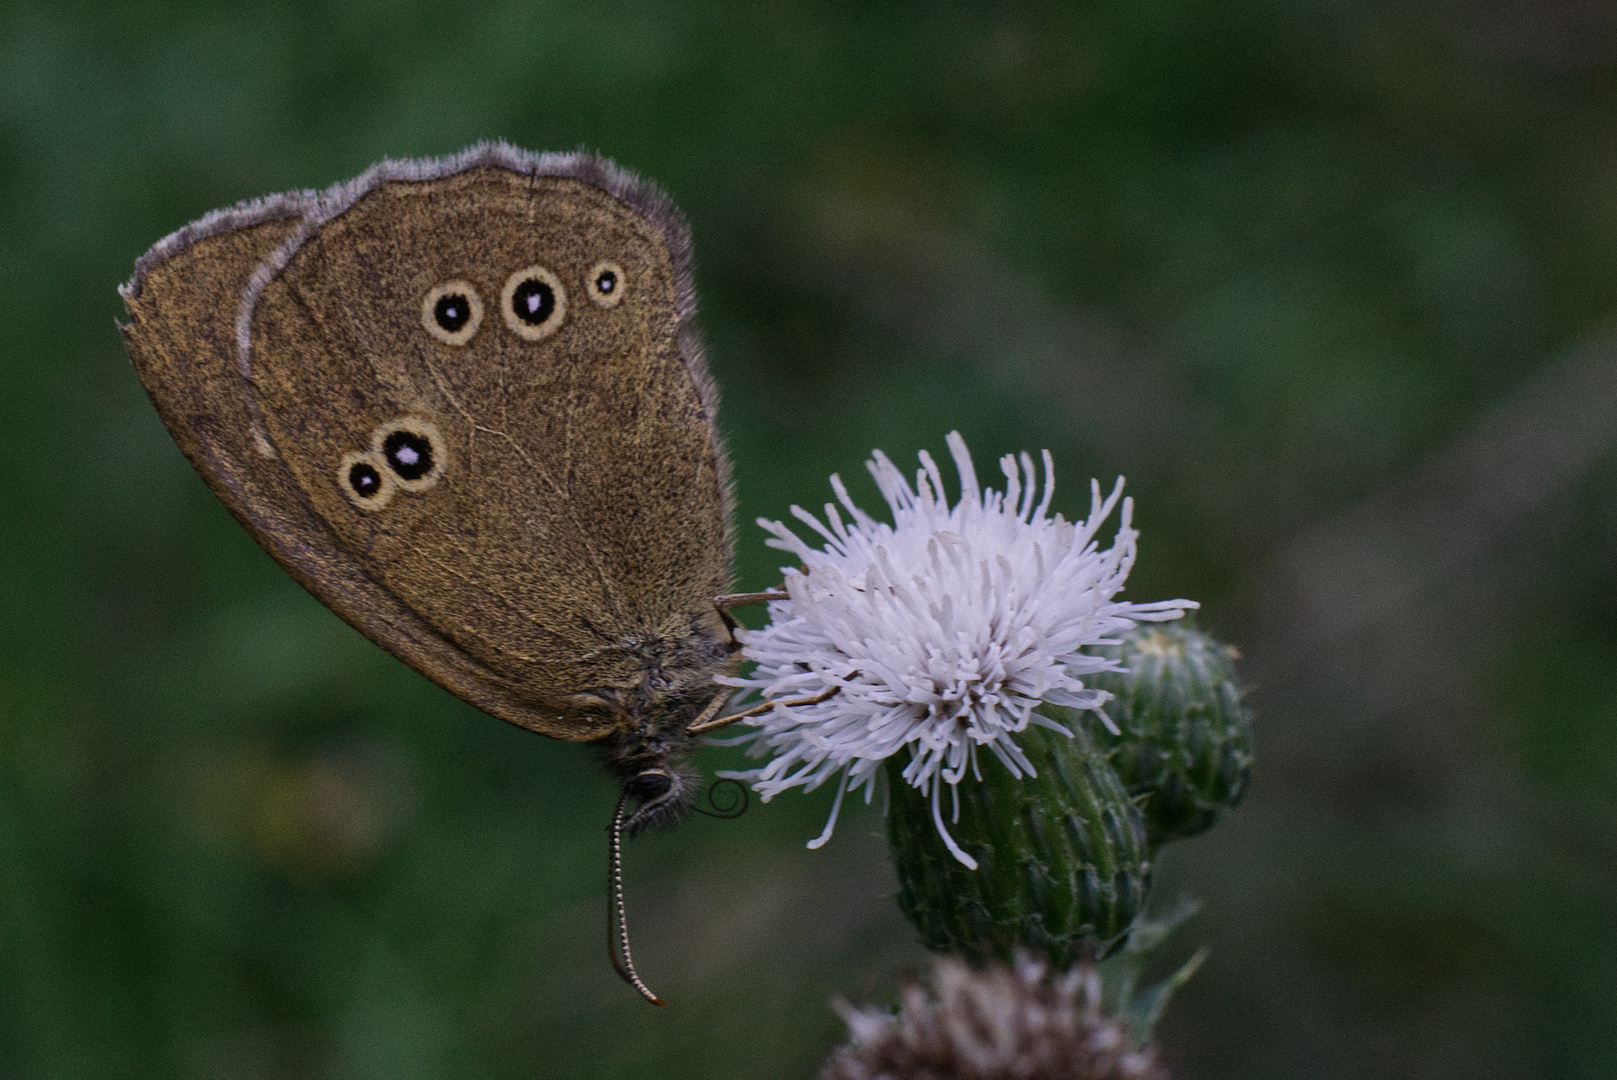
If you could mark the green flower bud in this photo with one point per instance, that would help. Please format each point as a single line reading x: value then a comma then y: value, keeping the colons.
x: 1061, y: 856
x: 1184, y: 747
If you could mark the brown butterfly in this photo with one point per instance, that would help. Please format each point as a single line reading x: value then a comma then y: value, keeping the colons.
x: 462, y: 401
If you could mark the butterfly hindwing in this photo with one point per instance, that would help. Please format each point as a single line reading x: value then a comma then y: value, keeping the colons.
x: 523, y: 475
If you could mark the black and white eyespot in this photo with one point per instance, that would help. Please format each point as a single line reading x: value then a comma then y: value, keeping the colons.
x: 412, y: 451
x: 452, y: 312
x: 365, y: 478
x: 606, y: 284
x: 533, y: 303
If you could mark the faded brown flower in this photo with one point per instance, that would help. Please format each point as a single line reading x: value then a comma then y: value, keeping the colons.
x: 992, y: 1023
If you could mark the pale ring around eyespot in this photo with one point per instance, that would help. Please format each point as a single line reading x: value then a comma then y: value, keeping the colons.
x: 606, y: 284
x: 452, y: 326
x: 412, y: 452
x: 366, y: 480
x: 533, y: 303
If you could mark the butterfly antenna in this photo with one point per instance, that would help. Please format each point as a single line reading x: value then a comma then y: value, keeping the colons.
x: 617, y: 926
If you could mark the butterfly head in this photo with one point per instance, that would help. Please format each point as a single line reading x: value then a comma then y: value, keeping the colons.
x: 647, y: 752
x: 662, y: 795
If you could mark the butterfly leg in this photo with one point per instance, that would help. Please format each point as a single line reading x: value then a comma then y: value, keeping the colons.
x: 723, y: 604
x: 706, y: 723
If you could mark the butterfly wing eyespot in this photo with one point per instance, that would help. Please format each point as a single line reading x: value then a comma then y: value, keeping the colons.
x: 412, y: 452
x: 452, y: 312
x: 533, y: 303
x: 366, y: 480
x: 606, y: 284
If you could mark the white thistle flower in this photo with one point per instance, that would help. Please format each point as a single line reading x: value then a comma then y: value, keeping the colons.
x: 938, y: 634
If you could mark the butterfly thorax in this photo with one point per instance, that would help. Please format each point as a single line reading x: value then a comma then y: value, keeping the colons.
x: 672, y: 684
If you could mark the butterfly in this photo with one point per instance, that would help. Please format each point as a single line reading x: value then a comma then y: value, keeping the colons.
x: 463, y: 402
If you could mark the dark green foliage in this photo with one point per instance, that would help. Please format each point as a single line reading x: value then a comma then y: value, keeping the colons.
x: 1062, y: 863
x: 1139, y: 1000
x: 1184, y: 743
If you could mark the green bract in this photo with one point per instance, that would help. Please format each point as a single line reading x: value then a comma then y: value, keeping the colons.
x: 1062, y: 855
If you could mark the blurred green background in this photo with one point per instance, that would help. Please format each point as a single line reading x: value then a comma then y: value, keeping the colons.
x: 1329, y: 280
